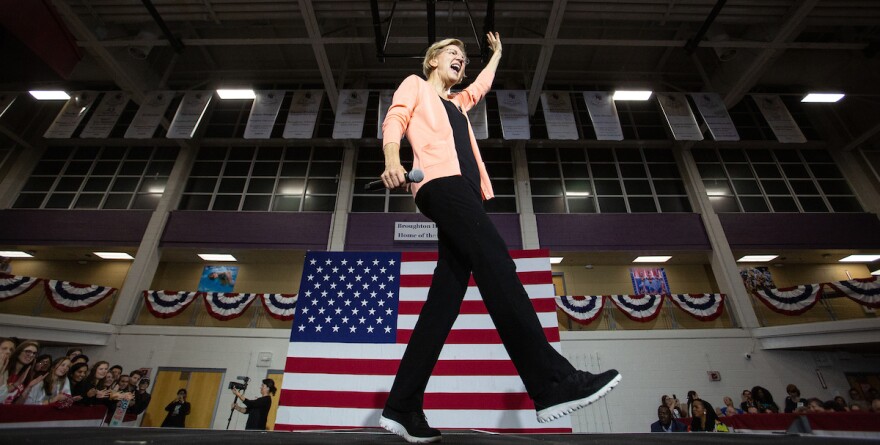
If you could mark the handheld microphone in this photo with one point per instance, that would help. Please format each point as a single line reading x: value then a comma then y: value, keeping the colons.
x: 411, y: 176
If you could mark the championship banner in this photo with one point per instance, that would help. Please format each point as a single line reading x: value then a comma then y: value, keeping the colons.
x: 106, y: 114
x: 189, y: 114
x: 303, y: 114
x: 6, y: 100
x: 479, y: 121
x: 779, y: 119
x: 513, y: 108
x: 71, y: 115
x: 264, y: 111
x: 149, y: 115
x: 714, y: 113
x: 385, y: 97
x: 355, y: 314
x: 558, y: 115
x: 679, y: 117
x: 603, y: 113
x: 350, y: 112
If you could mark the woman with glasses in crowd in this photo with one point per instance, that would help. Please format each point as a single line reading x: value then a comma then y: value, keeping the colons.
x: 19, y: 371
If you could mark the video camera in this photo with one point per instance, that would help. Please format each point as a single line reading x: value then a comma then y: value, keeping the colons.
x: 241, y: 386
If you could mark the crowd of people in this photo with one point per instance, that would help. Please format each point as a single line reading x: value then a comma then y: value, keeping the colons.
x: 696, y: 414
x: 30, y: 378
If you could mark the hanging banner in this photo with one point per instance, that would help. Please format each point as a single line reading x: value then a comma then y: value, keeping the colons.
x: 6, y: 100
x: 679, y: 117
x: 106, y: 115
x: 227, y: 306
x: 790, y: 300
x: 479, y: 122
x: 303, y: 114
x: 167, y: 304
x: 603, y: 113
x: 779, y: 119
x: 73, y: 297
x: 385, y: 97
x: 648, y: 280
x: 513, y: 108
x: 641, y: 308
x: 558, y: 115
x: 865, y: 291
x: 71, y: 115
x: 13, y: 285
x: 350, y: 112
x: 149, y: 115
x: 714, y: 113
x: 189, y: 114
x: 582, y: 309
x: 264, y: 111
x: 703, y: 307
x: 279, y: 306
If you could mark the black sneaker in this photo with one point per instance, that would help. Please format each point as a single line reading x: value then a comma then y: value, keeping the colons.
x: 412, y: 426
x: 576, y: 391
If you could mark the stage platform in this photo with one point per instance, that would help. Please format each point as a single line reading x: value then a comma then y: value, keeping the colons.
x: 144, y: 436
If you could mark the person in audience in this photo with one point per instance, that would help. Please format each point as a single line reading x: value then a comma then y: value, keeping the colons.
x: 72, y: 353
x: 875, y: 406
x: 673, y: 405
x: 124, y: 384
x: 747, y: 402
x: 7, y: 347
x: 141, y: 398
x: 815, y: 405
x: 692, y: 395
x: 257, y: 409
x: 133, y: 378
x: 705, y: 419
x: 109, y: 381
x: 856, y: 397
x: 855, y: 407
x: 92, y: 388
x: 794, y: 400
x: 764, y: 400
x: 665, y: 423
x: 5, y: 265
x: 177, y: 411
x: 832, y: 406
x: 841, y: 402
x: 116, y: 370
x: 18, y: 371
x: 729, y: 409
x: 55, y: 387
x: 42, y: 364
x: 82, y: 358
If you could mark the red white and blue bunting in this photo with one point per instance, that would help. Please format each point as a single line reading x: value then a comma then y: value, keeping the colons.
x: 14, y: 285
x: 226, y: 306
x: 73, y: 297
x: 703, y: 307
x: 279, y: 306
x: 791, y: 300
x: 166, y: 304
x: 865, y: 291
x: 582, y: 309
x: 641, y: 308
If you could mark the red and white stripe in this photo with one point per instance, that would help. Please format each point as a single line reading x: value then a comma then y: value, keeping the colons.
x: 474, y: 384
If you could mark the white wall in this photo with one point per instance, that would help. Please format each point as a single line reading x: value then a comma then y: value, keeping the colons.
x: 653, y: 363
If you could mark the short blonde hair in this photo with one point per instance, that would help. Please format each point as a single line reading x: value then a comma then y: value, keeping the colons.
x: 435, y: 49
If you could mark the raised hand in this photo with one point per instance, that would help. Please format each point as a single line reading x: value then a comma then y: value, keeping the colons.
x: 494, y: 42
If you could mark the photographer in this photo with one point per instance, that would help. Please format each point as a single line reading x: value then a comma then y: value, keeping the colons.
x: 257, y: 409
x: 177, y: 411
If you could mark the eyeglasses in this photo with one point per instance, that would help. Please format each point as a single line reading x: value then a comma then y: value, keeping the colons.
x: 457, y: 54
x: 29, y: 352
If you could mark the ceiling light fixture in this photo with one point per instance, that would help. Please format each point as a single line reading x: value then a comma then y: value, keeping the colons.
x: 49, y: 95
x: 756, y: 258
x: 631, y: 95
x: 876, y: 272
x: 556, y: 259
x: 15, y: 254
x: 652, y: 259
x: 236, y: 94
x: 822, y: 97
x: 217, y: 257
x: 859, y: 259
x: 114, y: 255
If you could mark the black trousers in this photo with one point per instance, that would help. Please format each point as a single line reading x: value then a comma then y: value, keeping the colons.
x: 470, y: 243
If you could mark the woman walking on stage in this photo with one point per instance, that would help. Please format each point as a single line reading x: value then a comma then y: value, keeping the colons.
x: 435, y: 122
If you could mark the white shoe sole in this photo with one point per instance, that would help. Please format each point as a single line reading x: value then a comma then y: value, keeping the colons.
x: 563, y: 409
x: 398, y: 429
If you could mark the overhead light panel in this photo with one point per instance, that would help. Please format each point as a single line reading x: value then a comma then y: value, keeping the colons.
x: 49, y: 95
x: 217, y: 257
x: 113, y: 255
x: 822, y: 97
x: 556, y: 259
x: 631, y: 95
x: 859, y: 259
x: 652, y: 259
x: 15, y: 254
x: 577, y: 193
x: 876, y: 272
x: 756, y: 258
x: 236, y: 94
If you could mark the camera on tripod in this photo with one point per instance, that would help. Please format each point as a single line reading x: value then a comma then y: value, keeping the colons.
x: 241, y: 386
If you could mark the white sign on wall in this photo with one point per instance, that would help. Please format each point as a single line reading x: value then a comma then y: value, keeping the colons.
x: 479, y: 122
x: 303, y: 114
x: 264, y: 111
x: 711, y: 107
x: 149, y: 115
x: 351, y: 108
x: 603, y: 113
x: 513, y: 109
x: 415, y: 231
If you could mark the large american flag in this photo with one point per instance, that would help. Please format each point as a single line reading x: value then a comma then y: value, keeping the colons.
x: 354, y: 315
